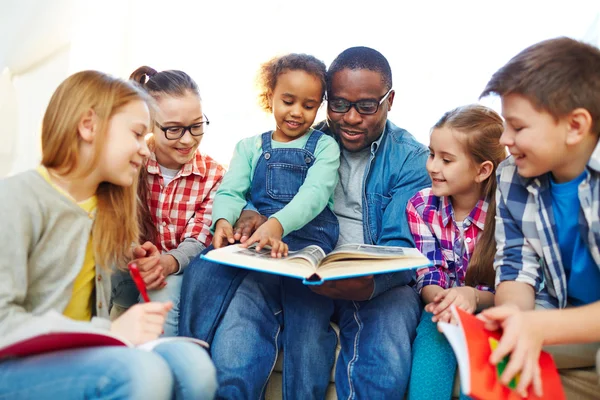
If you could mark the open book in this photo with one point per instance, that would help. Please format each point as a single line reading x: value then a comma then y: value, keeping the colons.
x: 32, y: 339
x: 314, y: 267
x: 479, y: 379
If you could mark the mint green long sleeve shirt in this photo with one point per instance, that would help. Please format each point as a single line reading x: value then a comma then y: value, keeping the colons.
x: 314, y: 195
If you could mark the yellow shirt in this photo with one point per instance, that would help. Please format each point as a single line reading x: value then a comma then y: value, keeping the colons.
x: 80, y: 305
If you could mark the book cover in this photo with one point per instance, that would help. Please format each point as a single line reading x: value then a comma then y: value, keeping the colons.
x: 31, y: 340
x: 473, y: 345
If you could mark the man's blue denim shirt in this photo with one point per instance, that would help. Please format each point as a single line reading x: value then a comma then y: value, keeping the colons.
x: 396, y: 172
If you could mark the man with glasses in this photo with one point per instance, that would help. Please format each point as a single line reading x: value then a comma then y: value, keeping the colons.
x: 382, y: 166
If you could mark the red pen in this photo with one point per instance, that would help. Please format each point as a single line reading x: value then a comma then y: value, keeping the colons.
x: 139, y: 282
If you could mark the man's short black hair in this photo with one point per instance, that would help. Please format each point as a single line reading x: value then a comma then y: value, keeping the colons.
x: 361, y: 58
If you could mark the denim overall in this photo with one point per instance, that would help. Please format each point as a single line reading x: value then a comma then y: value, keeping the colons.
x: 278, y: 175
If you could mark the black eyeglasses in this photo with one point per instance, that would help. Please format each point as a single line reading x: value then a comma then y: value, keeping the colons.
x: 365, y: 107
x: 177, y: 132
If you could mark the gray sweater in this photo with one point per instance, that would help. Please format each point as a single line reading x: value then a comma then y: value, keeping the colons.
x: 43, y: 239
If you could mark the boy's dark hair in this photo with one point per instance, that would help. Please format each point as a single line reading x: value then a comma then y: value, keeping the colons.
x: 361, y: 58
x: 556, y: 75
x: 171, y: 82
x: 270, y: 71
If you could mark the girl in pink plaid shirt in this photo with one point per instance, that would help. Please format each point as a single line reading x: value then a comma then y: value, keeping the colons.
x: 447, y: 222
x: 178, y: 185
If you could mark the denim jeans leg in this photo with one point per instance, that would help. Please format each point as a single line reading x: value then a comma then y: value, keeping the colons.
x: 376, y: 337
x: 171, y: 292
x: 92, y: 373
x: 124, y: 293
x: 308, y: 341
x: 206, y: 291
x: 247, y: 341
x: 194, y: 374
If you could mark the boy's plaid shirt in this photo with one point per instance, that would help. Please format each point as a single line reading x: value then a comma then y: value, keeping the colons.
x: 431, y: 222
x: 183, y: 209
x: 527, y: 247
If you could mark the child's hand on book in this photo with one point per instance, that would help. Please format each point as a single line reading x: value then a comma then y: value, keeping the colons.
x: 269, y: 233
x: 142, y: 322
x: 223, y: 234
x: 464, y: 298
x: 522, y: 338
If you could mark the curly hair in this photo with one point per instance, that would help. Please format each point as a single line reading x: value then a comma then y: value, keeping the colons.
x: 270, y: 71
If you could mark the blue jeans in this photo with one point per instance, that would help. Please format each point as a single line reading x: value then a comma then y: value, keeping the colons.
x: 308, y: 340
x: 206, y: 291
x: 174, y: 370
x: 375, y: 336
x: 125, y: 294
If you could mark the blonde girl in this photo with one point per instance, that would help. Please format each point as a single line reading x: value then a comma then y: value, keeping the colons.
x: 64, y: 224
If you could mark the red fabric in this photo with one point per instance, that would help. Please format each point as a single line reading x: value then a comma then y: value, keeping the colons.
x: 183, y: 208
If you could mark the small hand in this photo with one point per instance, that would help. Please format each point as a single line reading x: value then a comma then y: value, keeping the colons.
x: 223, y: 234
x: 152, y: 272
x: 142, y: 322
x: 247, y: 223
x: 462, y: 297
x: 522, y: 338
x: 357, y: 289
x: 269, y: 233
x: 145, y: 250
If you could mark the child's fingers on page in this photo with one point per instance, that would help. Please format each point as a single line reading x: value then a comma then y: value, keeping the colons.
x: 515, y: 364
x: 276, y: 249
x: 526, y: 376
x: 262, y: 242
x: 537, y: 380
x: 506, y: 345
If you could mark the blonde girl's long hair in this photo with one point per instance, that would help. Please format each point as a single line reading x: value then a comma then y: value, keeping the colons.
x: 116, y: 224
x: 480, y: 129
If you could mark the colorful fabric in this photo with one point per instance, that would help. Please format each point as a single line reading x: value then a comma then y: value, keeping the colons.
x: 437, y: 236
x: 527, y: 245
x: 182, y: 209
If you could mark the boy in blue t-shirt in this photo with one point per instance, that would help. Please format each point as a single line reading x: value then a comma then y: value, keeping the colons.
x: 548, y: 211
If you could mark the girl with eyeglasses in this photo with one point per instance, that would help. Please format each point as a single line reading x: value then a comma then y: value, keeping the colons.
x: 177, y: 188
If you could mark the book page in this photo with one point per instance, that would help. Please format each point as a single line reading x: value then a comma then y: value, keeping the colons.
x: 149, y: 346
x: 350, y: 268
x: 297, y: 264
x: 312, y: 254
x: 366, y: 251
x: 456, y: 339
